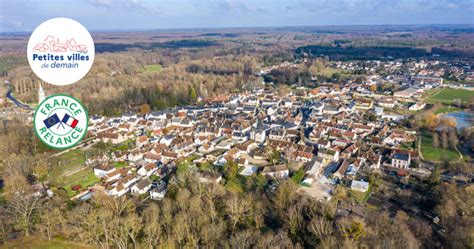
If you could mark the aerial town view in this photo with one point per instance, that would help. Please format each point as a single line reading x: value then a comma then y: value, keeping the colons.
x: 239, y: 124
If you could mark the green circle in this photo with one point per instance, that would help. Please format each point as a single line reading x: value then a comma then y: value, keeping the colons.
x: 85, y: 130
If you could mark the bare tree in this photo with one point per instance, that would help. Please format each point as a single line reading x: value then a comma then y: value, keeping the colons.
x: 22, y: 202
x: 237, y: 209
x: 320, y: 227
x: 444, y: 140
x: 435, y: 140
x: 453, y: 138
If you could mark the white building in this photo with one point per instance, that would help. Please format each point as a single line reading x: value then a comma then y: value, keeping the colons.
x: 41, y: 94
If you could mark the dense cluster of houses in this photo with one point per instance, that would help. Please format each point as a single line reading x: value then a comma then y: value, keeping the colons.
x: 326, y: 132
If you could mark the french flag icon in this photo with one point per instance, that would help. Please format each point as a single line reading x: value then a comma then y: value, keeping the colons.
x: 72, y: 122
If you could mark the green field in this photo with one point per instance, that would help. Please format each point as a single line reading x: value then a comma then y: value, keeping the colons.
x: 447, y: 109
x: 431, y: 153
x: 154, y: 68
x: 40, y: 243
x: 449, y: 95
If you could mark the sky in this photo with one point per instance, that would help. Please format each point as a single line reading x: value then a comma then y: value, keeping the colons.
x: 25, y: 15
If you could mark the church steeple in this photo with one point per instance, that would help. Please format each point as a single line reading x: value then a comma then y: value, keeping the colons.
x: 41, y: 94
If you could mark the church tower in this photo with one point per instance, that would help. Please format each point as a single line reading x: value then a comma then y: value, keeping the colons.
x: 41, y: 94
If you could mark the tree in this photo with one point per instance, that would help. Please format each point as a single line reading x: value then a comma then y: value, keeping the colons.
x: 352, y: 229
x: 50, y: 218
x: 22, y: 202
x: 192, y: 94
x: 444, y: 140
x: 320, y: 227
x: 336, y: 77
x: 284, y: 194
x: 453, y: 138
x: 435, y: 140
x: 373, y: 87
x: 298, y: 176
x: 237, y: 209
x: 431, y: 120
x: 144, y: 109
x: 275, y: 156
x: 230, y: 170
x: 374, y: 180
x: 435, y: 177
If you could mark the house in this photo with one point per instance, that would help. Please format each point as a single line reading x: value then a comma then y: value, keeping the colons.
x: 115, y: 175
x: 141, y: 187
x: 417, y: 106
x: 103, y: 169
x: 407, y: 93
x: 112, y: 137
x: 128, y: 180
x: 135, y: 155
x: 400, y: 160
x: 168, y: 156
x: 96, y: 159
x: 206, y: 148
x: 278, y: 171
x: 147, y: 170
x: 315, y: 166
x: 341, y: 171
x: 359, y: 186
x: 151, y: 157
x: 330, y: 154
x: 117, y: 190
x: 242, y: 162
x: 141, y: 141
x: 158, y: 192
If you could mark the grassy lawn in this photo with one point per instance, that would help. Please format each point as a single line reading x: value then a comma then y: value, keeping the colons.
x: 446, y: 109
x: 119, y: 165
x: 154, y: 68
x: 85, y: 178
x: 447, y: 95
x: 431, y: 153
x: 71, y: 160
x: 40, y: 243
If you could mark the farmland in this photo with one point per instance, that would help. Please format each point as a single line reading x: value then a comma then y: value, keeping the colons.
x: 71, y: 170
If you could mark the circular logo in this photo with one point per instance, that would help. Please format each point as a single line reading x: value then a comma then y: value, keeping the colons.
x: 60, y: 51
x: 60, y: 121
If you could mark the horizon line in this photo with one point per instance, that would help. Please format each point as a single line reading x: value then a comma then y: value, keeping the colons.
x: 255, y: 27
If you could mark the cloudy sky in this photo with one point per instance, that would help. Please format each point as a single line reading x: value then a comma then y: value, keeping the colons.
x: 25, y: 15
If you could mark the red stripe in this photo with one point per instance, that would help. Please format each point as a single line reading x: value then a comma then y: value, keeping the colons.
x: 74, y: 123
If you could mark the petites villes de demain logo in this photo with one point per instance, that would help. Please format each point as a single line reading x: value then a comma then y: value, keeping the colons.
x: 60, y: 51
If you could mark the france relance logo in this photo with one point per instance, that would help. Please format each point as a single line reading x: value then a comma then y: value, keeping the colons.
x: 60, y: 121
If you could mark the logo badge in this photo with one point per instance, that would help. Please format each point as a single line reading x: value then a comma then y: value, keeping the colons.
x: 60, y: 121
x: 60, y: 51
